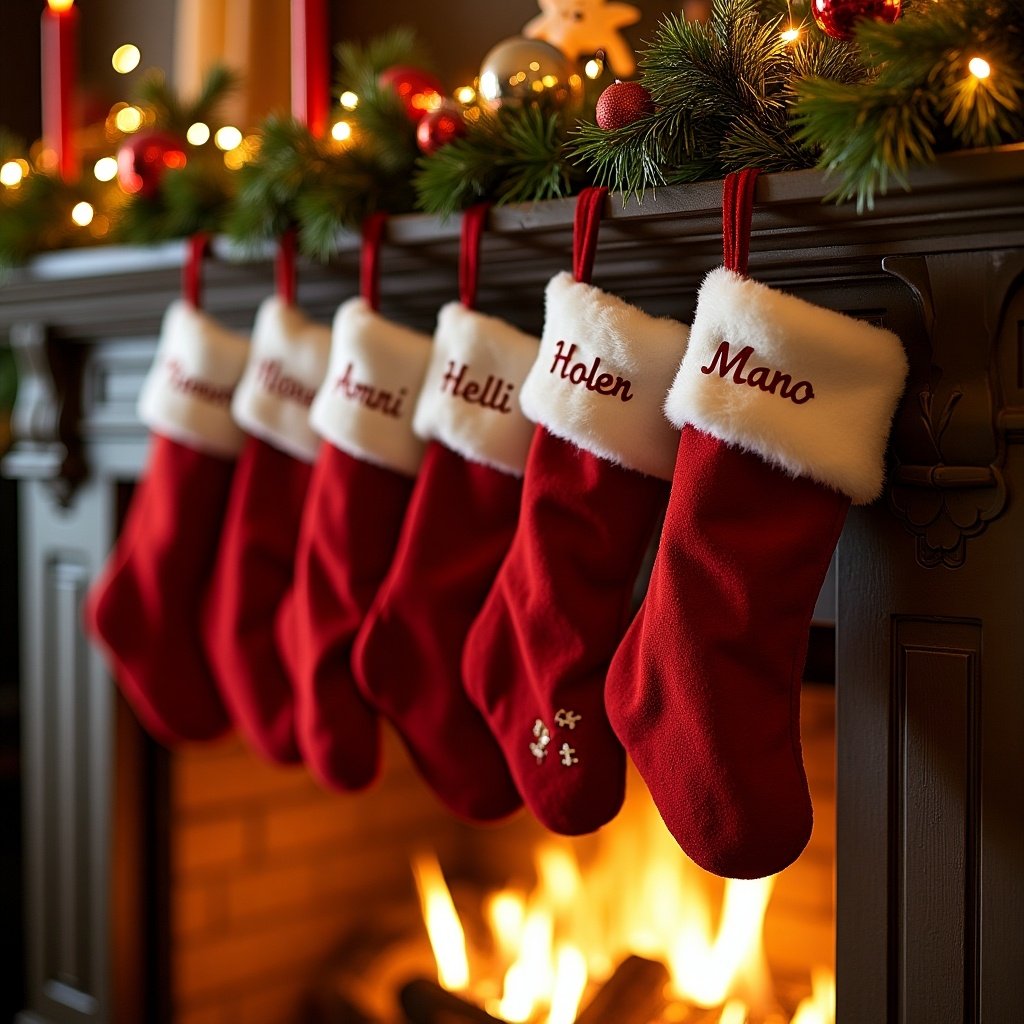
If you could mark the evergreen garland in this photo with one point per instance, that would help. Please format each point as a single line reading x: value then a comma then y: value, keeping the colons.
x: 722, y: 90
x: 192, y: 198
x: 322, y: 185
x: 921, y: 97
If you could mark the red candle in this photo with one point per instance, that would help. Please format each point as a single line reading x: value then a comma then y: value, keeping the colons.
x: 311, y: 75
x: 60, y: 71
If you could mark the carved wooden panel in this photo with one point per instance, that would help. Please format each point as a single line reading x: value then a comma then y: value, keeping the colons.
x: 67, y: 734
x: 936, y: 775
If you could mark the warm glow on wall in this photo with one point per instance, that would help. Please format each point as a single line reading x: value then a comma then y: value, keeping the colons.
x: 60, y: 5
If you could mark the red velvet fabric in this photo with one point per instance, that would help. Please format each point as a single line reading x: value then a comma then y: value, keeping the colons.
x: 705, y: 690
x: 407, y: 657
x: 540, y: 648
x: 144, y: 608
x: 252, y: 575
x: 350, y: 528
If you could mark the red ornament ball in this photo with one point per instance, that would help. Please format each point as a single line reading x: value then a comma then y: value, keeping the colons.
x: 621, y: 104
x: 419, y: 91
x: 837, y: 18
x: 143, y: 159
x: 439, y: 127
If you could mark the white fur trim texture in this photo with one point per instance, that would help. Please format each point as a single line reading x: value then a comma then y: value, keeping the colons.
x: 470, y: 397
x: 187, y: 393
x: 286, y: 366
x: 808, y: 389
x: 601, y: 376
x: 366, y: 403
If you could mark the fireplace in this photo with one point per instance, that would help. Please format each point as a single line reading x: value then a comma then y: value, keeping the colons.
x: 137, y: 859
x: 287, y: 904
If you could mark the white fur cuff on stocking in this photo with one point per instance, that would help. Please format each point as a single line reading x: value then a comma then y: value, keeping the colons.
x: 808, y: 389
x: 601, y: 376
x: 286, y: 366
x: 470, y: 397
x: 366, y: 403
x: 187, y: 392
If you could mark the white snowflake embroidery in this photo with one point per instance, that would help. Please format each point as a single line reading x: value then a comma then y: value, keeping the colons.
x: 568, y: 755
x: 539, y: 748
x: 566, y: 719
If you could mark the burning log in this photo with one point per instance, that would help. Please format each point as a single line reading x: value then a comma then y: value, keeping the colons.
x: 425, y: 1002
x: 634, y: 994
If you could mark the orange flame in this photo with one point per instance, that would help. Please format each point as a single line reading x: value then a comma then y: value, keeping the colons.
x: 591, y: 907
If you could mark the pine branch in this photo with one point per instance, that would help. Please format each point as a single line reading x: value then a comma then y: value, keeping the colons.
x: 361, y: 64
x: 920, y: 97
x: 509, y: 156
x: 722, y: 90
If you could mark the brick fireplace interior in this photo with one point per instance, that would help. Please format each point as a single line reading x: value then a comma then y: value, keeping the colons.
x: 286, y: 903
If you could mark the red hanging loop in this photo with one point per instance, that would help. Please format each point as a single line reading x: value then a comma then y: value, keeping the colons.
x: 473, y: 223
x: 192, y: 272
x: 369, y: 263
x: 737, y: 215
x: 284, y: 267
x: 586, y: 223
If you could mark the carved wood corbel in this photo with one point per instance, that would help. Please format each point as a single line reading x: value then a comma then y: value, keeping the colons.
x: 951, y: 433
x: 45, y: 417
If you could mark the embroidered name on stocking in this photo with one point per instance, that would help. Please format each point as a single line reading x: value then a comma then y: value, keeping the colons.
x: 278, y: 383
x: 587, y: 376
x: 215, y: 394
x: 494, y: 393
x: 387, y: 402
x: 774, y: 382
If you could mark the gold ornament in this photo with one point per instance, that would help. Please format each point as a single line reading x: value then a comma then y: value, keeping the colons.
x: 520, y: 71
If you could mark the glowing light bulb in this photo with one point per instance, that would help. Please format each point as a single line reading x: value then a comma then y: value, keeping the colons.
x: 349, y: 100
x: 227, y: 138
x: 979, y: 67
x: 593, y: 68
x: 341, y: 131
x: 105, y: 168
x: 198, y: 133
x: 790, y: 34
x: 82, y: 214
x: 465, y: 94
x: 128, y: 120
x: 60, y: 5
x: 126, y: 58
x: 11, y: 174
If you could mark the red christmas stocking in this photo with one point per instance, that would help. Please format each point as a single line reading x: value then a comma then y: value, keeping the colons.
x: 361, y: 485
x: 536, y: 657
x: 143, y: 609
x: 785, y: 410
x: 458, y: 528
x: 256, y: 559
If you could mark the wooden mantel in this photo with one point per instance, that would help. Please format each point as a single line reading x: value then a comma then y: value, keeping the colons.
x: 931, y: 577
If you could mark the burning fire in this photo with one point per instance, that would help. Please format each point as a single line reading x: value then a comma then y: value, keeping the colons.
x: 543, y: 951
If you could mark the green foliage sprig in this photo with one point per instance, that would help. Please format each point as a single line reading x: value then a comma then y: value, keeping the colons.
x: 320, y: 185
x: 920, y: 98
x: 722, y: 91
x: 192, y: 198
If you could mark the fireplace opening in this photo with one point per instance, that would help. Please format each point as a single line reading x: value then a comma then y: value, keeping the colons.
x: 288, y: 904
